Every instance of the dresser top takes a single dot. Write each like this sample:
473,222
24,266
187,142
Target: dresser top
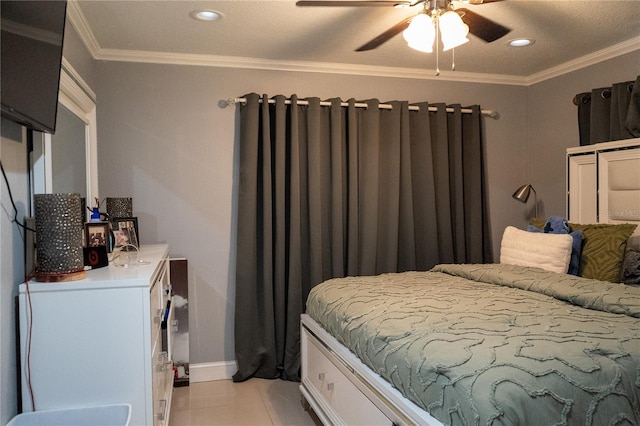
140,274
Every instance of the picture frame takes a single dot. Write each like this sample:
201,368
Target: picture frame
97,234
125,231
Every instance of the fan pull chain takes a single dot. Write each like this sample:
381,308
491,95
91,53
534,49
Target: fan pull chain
437,47
453,59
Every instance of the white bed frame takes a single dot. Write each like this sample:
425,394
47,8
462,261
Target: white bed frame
341,390
603,186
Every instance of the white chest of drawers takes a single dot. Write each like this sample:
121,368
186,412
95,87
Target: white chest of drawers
99,340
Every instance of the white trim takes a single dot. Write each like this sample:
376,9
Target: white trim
301,66
76,95
585,61
89,96
79,22
78,98
209,371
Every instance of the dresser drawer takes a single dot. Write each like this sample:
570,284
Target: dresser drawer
337,390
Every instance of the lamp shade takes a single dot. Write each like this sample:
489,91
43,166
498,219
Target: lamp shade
59,233
421,33
522,193
453,30
118,208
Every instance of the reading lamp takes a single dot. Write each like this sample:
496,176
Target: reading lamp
522,195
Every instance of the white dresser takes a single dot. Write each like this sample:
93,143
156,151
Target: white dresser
99,340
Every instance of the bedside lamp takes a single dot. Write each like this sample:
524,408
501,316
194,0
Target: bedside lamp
522,195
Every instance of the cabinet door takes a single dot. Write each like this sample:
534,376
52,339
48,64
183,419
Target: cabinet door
619,186
581,188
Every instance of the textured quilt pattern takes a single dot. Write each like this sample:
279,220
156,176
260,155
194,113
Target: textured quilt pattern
494,344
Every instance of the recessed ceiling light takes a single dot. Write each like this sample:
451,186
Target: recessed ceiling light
206,15
521,42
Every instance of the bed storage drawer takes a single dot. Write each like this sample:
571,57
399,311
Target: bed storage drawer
326,378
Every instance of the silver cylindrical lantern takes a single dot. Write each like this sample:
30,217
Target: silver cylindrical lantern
118,208
59,227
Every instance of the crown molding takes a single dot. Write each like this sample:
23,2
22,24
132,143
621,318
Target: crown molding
610,52
300,66
81,25
79,22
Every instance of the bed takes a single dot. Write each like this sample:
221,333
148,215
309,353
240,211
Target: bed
476,344
509,343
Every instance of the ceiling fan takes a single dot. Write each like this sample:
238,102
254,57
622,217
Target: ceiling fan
479,26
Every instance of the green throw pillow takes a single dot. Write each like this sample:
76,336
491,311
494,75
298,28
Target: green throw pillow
603,248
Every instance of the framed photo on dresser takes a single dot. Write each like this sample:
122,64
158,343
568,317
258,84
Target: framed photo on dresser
125,231
96,234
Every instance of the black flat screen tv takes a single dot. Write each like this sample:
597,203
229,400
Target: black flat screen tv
30,59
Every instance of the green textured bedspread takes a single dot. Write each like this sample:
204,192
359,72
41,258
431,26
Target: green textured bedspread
494,344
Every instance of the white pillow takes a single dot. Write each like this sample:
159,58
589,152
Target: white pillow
547,251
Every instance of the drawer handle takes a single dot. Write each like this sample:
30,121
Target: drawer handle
330,386
321,376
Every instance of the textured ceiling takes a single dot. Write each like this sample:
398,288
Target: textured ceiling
277,30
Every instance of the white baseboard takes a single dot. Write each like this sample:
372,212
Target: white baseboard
208,371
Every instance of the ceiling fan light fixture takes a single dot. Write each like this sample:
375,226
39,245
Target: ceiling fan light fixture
453,30
421,33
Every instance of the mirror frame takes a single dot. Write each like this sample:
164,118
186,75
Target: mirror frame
76,95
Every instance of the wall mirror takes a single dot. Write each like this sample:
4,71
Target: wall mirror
68,160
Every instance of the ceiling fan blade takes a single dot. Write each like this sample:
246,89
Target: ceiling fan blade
355,3
482,27
387,35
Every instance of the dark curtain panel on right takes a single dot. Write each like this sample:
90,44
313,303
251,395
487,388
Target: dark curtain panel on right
337,190
609,113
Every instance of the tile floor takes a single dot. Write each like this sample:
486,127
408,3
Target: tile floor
256,402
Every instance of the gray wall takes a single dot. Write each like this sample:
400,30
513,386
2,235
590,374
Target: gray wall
164,141
13,152
553,124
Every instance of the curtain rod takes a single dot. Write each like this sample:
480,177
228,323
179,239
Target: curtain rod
233,101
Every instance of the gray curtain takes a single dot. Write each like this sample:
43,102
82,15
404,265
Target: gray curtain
333,191
609,113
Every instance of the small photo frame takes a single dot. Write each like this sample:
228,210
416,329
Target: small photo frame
96,234
125,232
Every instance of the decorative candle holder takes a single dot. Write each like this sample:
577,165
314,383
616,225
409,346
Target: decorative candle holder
59,237
119,207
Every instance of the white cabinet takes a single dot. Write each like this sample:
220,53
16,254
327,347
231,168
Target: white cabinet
603,182
99,340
